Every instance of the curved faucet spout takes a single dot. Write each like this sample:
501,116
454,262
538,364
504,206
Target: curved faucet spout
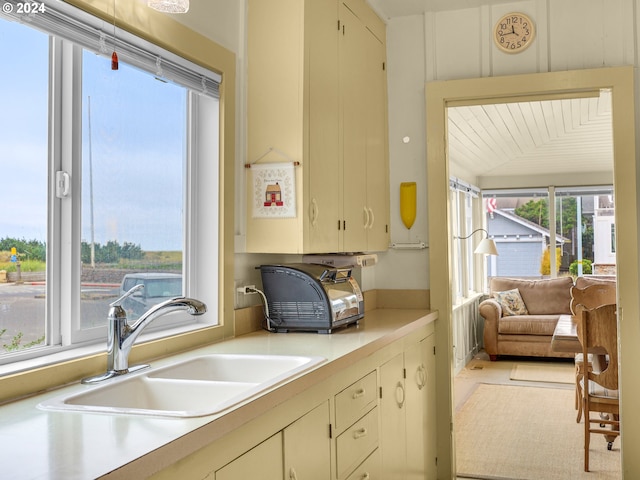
191,305
122,336
131,332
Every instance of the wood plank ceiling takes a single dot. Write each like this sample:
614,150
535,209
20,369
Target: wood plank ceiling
530,138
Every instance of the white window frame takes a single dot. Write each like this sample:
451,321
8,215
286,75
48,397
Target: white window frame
466,218
200,278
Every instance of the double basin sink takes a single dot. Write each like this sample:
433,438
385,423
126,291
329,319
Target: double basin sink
203,385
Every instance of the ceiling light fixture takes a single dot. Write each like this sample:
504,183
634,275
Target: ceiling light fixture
169,6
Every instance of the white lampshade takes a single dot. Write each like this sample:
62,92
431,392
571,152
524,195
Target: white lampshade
486,247
169,6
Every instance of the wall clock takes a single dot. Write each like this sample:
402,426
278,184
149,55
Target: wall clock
514,32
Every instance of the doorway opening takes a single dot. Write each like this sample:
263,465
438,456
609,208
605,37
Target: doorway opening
544,86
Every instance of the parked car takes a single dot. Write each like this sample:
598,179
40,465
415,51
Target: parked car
158,287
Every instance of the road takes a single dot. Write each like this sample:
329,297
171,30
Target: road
22,310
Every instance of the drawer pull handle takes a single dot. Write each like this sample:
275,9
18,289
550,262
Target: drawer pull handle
292,474
359,393
362,432
365,476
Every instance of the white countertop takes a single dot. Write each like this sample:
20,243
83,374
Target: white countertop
39,444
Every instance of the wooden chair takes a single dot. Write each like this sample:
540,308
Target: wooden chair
598,328
591,296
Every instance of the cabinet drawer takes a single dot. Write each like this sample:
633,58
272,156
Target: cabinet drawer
355,400
356,443
369,469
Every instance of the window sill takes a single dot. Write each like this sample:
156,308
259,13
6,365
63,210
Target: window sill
29,377
470,298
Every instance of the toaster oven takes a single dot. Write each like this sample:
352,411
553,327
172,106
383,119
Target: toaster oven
311,297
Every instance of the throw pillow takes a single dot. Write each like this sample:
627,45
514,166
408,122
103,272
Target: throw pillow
511,302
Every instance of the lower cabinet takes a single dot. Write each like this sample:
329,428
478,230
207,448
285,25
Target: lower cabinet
356,427
372,421
421,410
304,445
407,413
307,446
370,469
263,461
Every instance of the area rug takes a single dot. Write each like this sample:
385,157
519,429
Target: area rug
527,433
544,373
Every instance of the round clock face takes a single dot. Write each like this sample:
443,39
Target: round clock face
514,32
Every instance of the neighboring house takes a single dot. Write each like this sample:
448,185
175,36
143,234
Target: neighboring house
520,245
604,236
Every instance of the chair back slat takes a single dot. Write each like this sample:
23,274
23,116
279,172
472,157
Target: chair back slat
593,296
598,327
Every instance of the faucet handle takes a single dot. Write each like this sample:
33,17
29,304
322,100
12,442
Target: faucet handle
131,291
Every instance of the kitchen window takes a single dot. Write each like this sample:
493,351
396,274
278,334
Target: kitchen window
103,169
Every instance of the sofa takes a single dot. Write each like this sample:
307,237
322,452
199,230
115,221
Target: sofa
521,315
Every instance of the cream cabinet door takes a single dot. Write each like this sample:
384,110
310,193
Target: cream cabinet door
307,446
364,135
420,390
323,173
393,433
377,174
263,462
353,94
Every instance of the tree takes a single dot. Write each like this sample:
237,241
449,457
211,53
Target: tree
537,211
545,262
112,252
27,249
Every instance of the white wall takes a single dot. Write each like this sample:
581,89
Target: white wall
445,45
407,161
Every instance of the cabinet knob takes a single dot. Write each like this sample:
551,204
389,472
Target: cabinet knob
365,476
292,474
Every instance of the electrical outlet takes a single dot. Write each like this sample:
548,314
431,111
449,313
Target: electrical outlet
247,289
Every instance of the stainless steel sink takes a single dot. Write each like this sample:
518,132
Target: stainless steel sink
200,386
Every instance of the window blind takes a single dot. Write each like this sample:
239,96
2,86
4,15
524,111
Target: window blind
70,23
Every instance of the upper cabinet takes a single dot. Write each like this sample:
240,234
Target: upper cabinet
317,96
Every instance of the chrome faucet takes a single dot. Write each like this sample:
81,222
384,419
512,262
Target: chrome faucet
121,336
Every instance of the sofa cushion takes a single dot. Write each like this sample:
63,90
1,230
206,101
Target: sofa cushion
527,325
542,297
511,302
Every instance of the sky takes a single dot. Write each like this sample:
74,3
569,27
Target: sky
136,145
